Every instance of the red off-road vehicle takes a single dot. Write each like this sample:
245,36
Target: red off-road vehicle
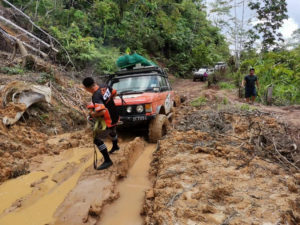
145,97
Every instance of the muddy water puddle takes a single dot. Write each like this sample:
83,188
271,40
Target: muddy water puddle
126,210
33,198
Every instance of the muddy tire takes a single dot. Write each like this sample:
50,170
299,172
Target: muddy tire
158,128
177,100
171,118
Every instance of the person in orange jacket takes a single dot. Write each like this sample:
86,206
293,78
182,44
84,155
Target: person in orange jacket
103,106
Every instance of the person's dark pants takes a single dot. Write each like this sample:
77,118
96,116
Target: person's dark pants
249,92
100,136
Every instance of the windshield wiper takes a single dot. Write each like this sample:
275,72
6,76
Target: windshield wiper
130,92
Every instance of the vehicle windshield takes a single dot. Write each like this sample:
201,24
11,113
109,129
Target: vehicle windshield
135,84
202,70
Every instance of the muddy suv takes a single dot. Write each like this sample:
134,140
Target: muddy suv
144,97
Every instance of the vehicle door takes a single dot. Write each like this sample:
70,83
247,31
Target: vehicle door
165,94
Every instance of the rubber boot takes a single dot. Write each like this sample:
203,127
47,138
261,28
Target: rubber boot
107,161
115,147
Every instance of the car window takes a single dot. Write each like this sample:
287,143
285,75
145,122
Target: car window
162,83
141,83
201,70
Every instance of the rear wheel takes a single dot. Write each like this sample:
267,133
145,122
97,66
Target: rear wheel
158,128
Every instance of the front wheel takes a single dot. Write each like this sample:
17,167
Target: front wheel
158,128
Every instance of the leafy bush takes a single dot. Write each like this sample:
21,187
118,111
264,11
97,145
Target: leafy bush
45,77
245,107
12,70
198,102
95,32
225,101
278,69
226,85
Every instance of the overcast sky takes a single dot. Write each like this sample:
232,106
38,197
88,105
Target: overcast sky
289,25
293,22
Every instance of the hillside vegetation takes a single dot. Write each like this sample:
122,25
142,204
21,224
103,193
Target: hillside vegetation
278,69
95,33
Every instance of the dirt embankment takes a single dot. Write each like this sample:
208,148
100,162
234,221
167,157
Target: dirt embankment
31,135
225,165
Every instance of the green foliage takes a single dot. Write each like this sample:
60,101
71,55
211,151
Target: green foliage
245,107
12,70
95,32
198,102
272,14
45,77
279,69
225,101
226,85
44,117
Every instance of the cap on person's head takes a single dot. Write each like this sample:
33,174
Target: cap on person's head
88,82
252,69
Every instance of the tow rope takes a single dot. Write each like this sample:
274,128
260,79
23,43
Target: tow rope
99,121
122,99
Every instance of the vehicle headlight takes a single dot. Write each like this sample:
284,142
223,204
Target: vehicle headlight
139,108
129,109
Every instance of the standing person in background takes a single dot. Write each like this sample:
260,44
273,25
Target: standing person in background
249,83
103,106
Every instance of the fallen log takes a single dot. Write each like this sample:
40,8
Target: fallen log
8,22
15,40
40,29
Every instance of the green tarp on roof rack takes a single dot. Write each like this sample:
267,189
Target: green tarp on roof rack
129,61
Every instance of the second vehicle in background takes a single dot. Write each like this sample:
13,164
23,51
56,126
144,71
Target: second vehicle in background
202,74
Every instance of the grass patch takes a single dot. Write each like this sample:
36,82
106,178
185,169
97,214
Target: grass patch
247,107
225,101
45,77
12,70
44,117
198,102
226,85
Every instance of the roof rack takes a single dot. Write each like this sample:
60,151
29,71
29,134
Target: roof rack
146,69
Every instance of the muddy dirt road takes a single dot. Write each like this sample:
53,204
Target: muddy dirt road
219,164
64,188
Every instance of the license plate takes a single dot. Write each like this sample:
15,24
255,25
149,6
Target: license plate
139,118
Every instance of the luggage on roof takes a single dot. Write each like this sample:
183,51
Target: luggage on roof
129,61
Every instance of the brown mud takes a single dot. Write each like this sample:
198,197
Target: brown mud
224,165
219,164
126,210
64,188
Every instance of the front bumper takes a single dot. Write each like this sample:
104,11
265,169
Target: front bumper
136,118
198,76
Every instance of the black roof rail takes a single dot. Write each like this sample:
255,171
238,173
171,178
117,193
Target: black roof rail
146,69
